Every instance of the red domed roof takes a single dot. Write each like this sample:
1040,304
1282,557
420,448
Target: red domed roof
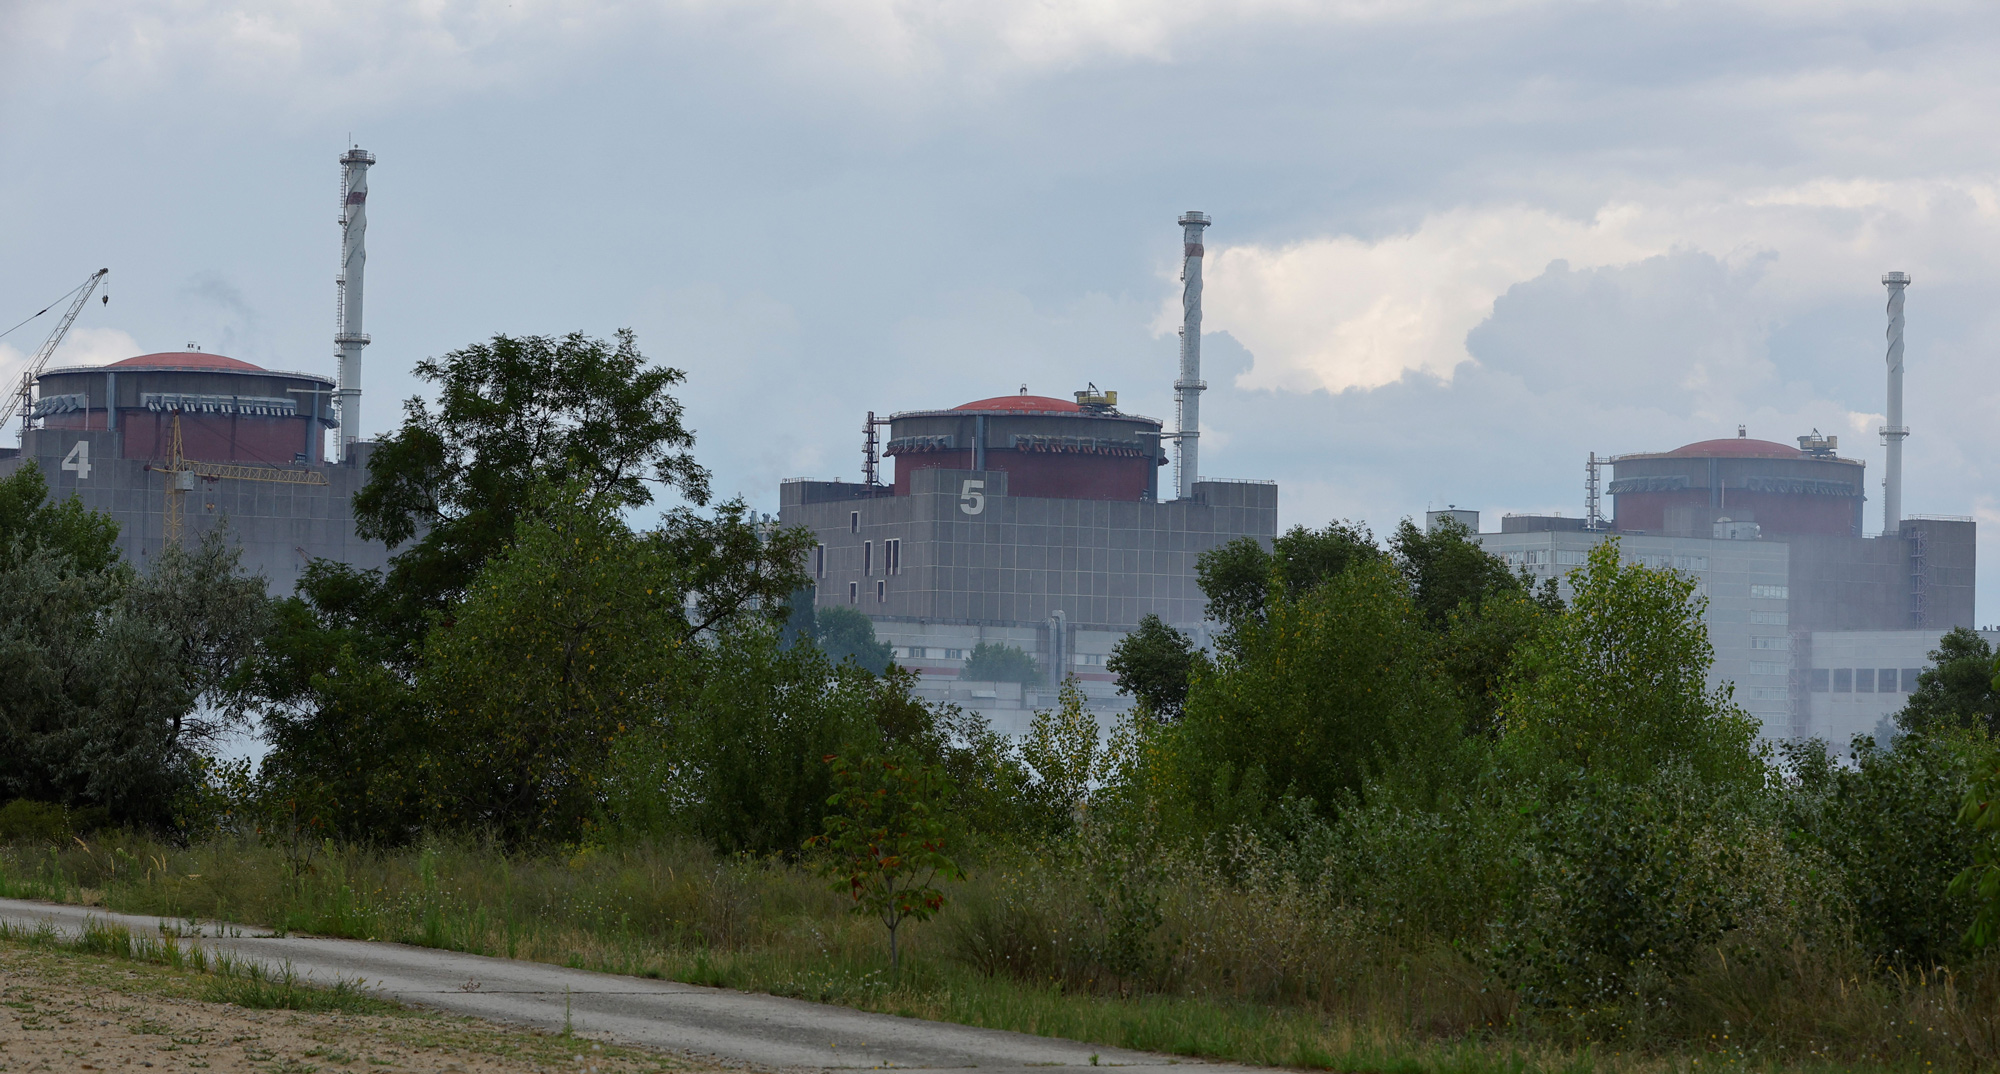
186,360
1022,402
1736,447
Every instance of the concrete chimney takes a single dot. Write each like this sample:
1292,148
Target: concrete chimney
348,334
1188,389
1895,432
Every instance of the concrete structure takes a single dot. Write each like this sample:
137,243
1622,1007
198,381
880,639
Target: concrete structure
103,432
1894,433
945,559
349,337
1189,386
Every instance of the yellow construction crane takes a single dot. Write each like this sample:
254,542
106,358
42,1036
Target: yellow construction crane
182,471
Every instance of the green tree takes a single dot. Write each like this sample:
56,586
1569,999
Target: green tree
1979,882
1236,576
888,830
1447,570
514,413
31,520
1153,664
845,634
1617,685
1325,691
993,661
1957,690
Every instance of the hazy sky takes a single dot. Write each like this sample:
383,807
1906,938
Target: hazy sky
1457,245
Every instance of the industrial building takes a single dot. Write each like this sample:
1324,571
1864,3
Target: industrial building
1029,521
1820,626
176,443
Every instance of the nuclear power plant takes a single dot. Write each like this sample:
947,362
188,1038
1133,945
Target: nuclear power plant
1819,625
1030,521
174,444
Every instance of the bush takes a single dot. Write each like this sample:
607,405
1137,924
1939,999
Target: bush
24,820
994,662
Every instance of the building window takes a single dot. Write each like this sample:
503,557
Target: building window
1820,677
1843,680
954,654
1768,693
819,561
1864,680
867,558
1885,681
1909,680
881,592
1771,592
854,592
1771,643
1566,557
1769,618
892,556
854,522
1768,669
1691,563
918,652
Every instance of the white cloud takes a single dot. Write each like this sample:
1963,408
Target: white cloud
1342,312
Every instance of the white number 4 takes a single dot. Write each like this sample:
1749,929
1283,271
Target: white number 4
971,497
78,460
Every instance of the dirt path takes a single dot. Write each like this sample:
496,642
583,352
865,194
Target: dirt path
67,1012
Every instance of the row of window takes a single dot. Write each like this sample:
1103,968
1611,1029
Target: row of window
892,558
881,592
932,652
1576,557
1864,680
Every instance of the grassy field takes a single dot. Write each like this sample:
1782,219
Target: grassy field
678,912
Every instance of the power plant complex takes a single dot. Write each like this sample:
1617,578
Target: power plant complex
1054,525
173,444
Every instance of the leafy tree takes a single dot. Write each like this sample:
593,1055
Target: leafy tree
1957,690
1236,576
31,520
845,634
1979,882
1617,685
1324,691
514,413
993,661
1447,570
1153,664
1062,751
888,828
114,683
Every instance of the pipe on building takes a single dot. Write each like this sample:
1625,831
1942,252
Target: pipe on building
1188,389
350,338
1894,433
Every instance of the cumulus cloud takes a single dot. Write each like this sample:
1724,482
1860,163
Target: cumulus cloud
1342,312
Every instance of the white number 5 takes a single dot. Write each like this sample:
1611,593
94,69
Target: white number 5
971,498
78,460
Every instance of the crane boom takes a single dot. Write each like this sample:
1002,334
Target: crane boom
20,401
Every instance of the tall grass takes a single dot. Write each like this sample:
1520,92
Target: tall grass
1154,954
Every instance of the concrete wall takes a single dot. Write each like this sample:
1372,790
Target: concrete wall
279,526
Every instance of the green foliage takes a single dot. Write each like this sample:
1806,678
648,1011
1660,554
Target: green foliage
1061,750
514,414
1978,883
1154,664
1236,576
888,828
115,683
845,634
993,661
1885,824
1616,687
32,521
24,820
1448,571
1324,691
1958,690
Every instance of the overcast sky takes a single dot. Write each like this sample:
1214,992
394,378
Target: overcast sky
1457,245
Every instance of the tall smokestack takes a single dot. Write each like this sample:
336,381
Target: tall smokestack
1894,432
353,262
1188,389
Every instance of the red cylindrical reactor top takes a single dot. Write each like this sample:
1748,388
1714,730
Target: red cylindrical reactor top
1047,447
1784,490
